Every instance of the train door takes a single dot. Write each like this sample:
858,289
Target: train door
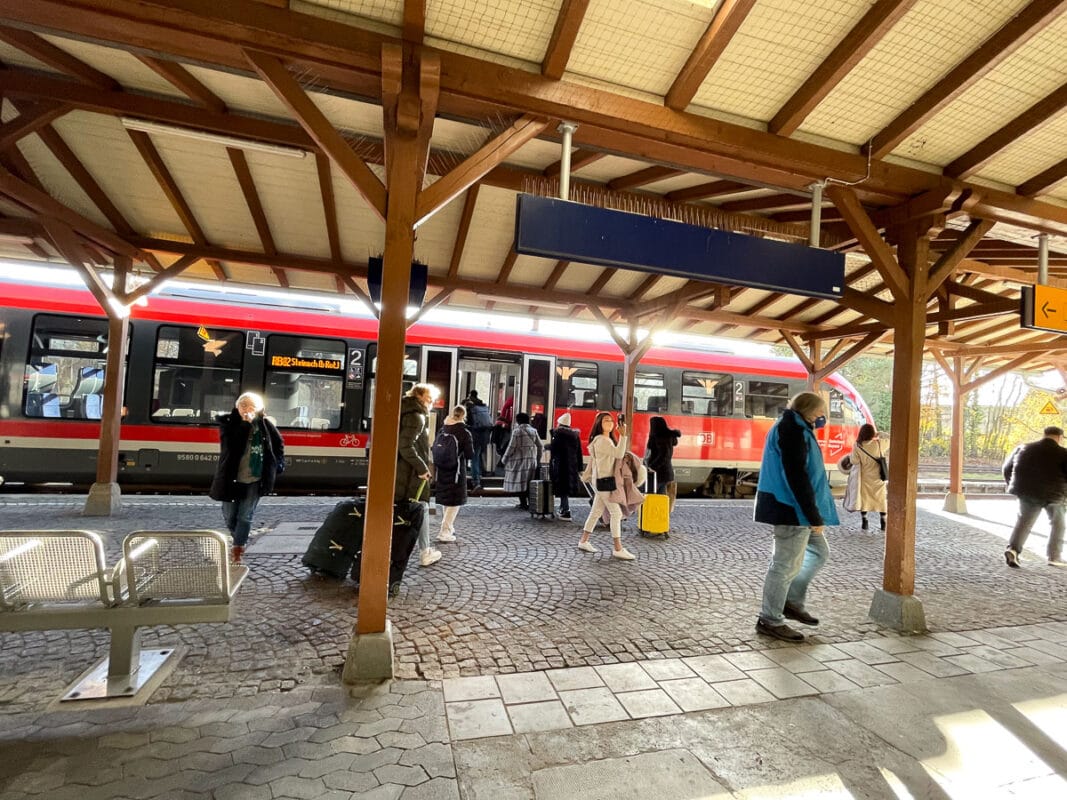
496,378
439,368
538,389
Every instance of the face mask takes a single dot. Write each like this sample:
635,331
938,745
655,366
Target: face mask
820,422
248,415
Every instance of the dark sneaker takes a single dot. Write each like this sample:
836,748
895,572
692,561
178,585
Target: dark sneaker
1012,558
564,514
783,632
394,588
800,615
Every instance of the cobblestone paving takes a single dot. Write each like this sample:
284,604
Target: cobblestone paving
381,743
515,595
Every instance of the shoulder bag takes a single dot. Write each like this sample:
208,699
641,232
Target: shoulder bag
883,465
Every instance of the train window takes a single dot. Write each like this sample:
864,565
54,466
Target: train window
305,381
844,410
576,384
197,373
707,394
650,393
411,377
766,398
65,370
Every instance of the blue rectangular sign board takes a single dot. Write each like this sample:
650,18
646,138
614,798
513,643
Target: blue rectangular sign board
568,231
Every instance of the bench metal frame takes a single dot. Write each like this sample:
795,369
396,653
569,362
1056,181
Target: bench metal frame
59,580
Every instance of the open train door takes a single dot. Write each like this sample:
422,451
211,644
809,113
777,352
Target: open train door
538,389
440,368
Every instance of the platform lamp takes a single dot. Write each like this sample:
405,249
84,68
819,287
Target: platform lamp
416,289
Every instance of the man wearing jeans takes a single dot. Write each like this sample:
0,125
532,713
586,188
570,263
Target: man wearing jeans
793,495
1036,473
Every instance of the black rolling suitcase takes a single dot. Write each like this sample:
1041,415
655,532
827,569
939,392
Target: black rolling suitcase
407,520
338,540
542,502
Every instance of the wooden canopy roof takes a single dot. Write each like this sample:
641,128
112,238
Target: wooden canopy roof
721,112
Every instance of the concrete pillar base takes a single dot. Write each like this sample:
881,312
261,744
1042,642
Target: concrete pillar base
955,503
370,657
900,612
104,500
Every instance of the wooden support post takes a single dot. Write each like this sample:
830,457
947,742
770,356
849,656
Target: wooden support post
105,497
409,88
955,501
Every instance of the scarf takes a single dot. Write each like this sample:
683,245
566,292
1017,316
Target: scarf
255,451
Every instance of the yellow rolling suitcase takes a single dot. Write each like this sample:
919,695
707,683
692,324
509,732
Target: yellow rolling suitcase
654,515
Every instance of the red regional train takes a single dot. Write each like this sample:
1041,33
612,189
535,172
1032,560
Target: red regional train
191,352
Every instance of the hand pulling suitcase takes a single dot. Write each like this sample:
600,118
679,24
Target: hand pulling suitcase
335,544
654,515
407,520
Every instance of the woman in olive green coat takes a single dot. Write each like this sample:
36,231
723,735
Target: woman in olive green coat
413,460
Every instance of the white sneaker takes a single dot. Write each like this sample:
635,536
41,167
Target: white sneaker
587,547
623,555
429,556
446,537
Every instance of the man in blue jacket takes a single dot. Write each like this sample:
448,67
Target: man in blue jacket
793,495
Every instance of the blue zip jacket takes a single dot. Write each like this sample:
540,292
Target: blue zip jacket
793,488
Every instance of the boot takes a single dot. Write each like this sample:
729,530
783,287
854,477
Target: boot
881,522
236,552
864,525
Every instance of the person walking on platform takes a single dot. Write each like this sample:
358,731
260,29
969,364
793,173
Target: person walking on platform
659,454
866,489
793,495
451,450
565,463
605,448
1036,473
522,458
480,422
251,456
413,460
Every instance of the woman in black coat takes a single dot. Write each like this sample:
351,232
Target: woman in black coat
565,464
251,456
453,446
659,453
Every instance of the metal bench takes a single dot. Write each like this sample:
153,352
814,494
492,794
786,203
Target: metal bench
59,580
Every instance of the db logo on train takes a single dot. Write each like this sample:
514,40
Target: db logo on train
835,444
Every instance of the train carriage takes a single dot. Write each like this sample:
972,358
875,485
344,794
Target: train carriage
189,357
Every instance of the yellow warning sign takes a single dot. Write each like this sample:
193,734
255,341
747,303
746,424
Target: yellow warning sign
1049,408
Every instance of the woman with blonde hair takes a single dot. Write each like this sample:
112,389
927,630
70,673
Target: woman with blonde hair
605,448
413,460
251,457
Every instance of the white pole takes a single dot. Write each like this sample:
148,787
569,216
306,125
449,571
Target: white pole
1042,258
567,129
816,214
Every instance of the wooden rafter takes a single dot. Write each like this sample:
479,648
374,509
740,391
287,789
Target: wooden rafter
777,202
1016,32
168,272
579,159
557,273
1035,116
29,120
329,206
184,81
362,296
44,51
319,128
255,208
477,165
469,202
1044,181
568,22
413,26
874,245
15,162
859,41
642,177
728,18
708,190
506,267
952,257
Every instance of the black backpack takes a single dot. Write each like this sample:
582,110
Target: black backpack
446,455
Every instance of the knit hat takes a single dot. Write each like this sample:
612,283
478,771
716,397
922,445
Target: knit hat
564,419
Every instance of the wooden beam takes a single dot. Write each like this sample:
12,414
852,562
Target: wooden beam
951,258
44,51
779,202
319,128
29,120
1004,369
477,165
858,42
363,297
1044,181
595,310
469,202
799,352
642,177
413,28
43,205
329,206
935,201
579,159
704,191
646,286
67,244
874,245
564,34
154,161
557,273
430,305
1036,115
184,81
728,18
255,206
1016,32
168,272
506,267
868,304
833,364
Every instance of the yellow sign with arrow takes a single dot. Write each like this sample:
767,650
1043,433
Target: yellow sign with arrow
1044,308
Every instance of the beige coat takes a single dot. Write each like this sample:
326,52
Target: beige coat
866,489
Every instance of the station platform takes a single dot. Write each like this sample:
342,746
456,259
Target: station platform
527,669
